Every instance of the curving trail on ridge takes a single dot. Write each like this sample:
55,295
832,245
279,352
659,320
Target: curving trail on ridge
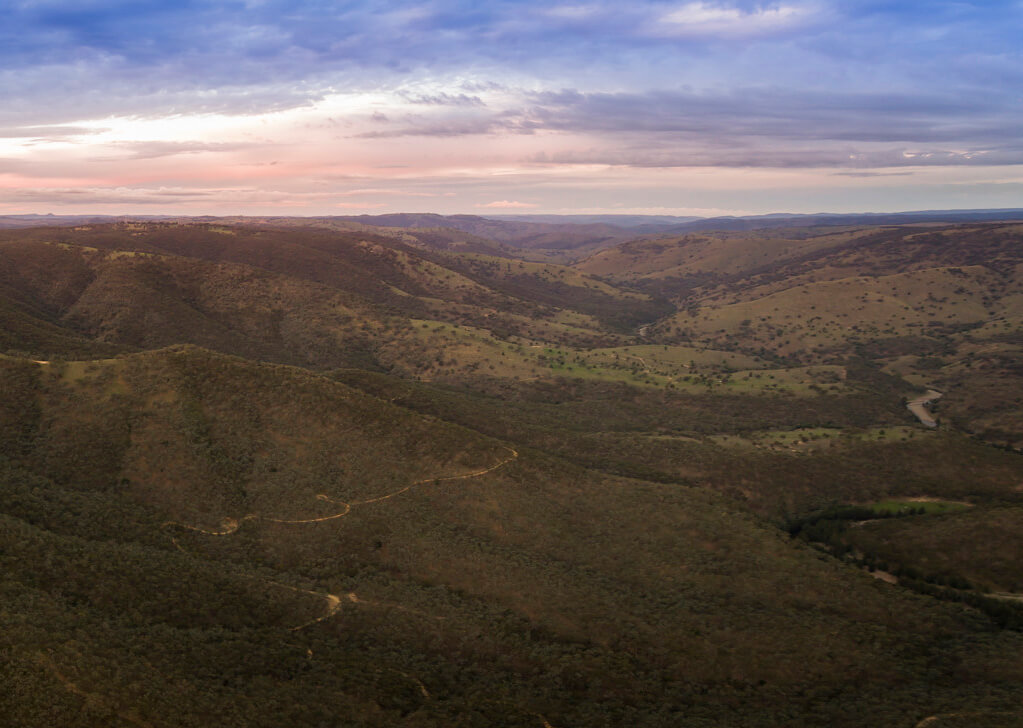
322,497
425,481
419,683
354,599
919,408
333,604
229,526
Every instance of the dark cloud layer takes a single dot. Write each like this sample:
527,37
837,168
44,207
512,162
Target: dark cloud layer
282,52
748,128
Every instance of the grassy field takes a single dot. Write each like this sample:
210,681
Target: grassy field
922,506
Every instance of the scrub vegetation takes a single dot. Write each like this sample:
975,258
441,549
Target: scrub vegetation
286,474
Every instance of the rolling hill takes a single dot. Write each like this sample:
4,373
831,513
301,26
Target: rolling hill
178,514
937,306
273,473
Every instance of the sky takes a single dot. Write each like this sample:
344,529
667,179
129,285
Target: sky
310,107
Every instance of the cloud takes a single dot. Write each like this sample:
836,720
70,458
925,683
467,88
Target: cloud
104,93
741,127
140,150
55,132
785,113
710,19
441,99
782,156
439,127
872,174
62,60
507,205
382,192
573,12
124,197
86,196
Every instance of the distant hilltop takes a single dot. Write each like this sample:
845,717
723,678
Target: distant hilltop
514,229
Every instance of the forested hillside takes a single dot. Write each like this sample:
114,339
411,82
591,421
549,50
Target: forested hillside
286,474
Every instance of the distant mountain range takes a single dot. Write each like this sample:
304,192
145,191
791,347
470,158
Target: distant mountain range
785,220
569,231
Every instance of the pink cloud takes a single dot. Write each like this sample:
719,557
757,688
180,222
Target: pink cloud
507,204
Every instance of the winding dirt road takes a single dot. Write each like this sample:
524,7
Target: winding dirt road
333,603
918,408
322,497
425,481
229,526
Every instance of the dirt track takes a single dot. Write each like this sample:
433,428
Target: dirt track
229,526
918,408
